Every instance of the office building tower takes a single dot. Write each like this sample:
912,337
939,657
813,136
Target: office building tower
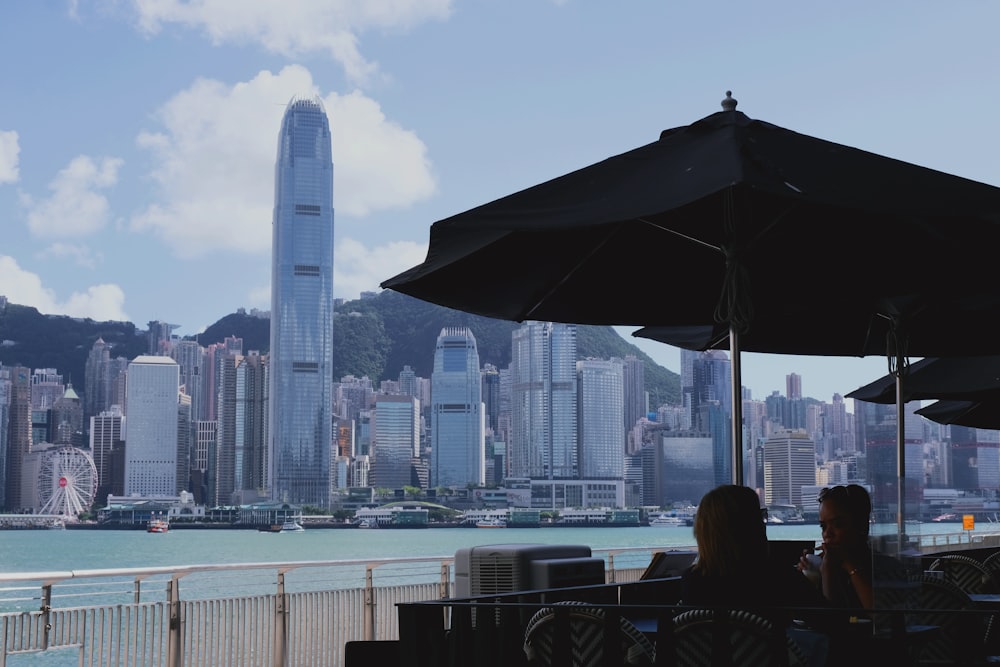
151,399
395,440
190,357
95,383
457,419
408,381
543,438
677,468
185,438
19,440
240,463
634,402
789,465
975,459
46,388
106,436
712,381
160,338
491,395
202,480
66,419
793,386
301,352
600,402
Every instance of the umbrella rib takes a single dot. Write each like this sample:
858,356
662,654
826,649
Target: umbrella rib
677,233
569,274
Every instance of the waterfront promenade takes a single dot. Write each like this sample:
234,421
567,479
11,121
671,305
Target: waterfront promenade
241,597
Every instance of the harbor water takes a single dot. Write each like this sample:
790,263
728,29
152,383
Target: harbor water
59,550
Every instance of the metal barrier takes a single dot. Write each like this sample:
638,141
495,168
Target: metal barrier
266,614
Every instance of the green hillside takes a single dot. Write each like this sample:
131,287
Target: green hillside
374,337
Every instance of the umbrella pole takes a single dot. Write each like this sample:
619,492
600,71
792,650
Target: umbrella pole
736,389
900,449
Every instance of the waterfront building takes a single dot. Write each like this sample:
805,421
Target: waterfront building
301,349
202,478
789,465
677,468
151,443
19,441
543,438
975,458
395,440
458,427
106,435
600,401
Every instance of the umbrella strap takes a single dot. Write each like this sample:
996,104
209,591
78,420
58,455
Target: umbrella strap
895,345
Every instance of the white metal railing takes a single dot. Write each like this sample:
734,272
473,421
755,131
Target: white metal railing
267,614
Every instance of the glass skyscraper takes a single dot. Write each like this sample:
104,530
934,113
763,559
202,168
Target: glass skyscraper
457,414
301,354
151,399
543,442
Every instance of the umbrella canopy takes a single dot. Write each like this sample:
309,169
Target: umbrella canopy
728,223
959,378
983,413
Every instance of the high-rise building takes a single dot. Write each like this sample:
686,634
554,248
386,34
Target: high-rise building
600,402
457,415
789,465
395,440
543,438
633,391
106,436
151,400
18,438
793,386
301,352
190,356
96,383
491,396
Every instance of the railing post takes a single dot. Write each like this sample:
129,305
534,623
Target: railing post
174,625
611,568
46,615
369,611
445,578
280,656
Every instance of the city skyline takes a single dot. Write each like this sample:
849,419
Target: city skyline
149,153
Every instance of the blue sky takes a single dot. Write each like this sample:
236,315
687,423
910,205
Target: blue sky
137,138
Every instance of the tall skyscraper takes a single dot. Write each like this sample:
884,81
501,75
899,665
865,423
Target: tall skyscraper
633,391
18,438
543,438
789,465
301,354
457,414
106,436
600,399
151,400
395,440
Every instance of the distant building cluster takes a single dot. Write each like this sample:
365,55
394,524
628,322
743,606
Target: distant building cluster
228,426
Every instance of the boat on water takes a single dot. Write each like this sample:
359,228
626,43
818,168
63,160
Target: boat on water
668,520
157,525
368,523
286,527
491,523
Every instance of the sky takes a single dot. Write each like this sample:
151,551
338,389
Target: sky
138,137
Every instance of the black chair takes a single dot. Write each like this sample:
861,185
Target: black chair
716,637
967,573
579,630
956,638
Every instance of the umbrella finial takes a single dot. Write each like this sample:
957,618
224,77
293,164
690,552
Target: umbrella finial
729,104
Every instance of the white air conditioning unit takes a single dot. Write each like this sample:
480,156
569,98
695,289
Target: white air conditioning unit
507,568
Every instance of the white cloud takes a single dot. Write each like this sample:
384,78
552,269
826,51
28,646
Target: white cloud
75,208
294,28
100,302
359,269
215,162
9,155
80,255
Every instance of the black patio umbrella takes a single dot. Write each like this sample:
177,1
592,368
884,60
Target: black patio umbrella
728,222
958,378
983,413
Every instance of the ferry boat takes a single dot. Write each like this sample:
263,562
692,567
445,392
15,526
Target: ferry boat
667,520
286,527
491,523
157,525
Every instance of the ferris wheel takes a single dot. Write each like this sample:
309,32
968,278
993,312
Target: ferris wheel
67,482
